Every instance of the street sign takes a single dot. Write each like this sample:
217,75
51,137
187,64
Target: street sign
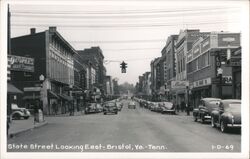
235,62
218,61
215,80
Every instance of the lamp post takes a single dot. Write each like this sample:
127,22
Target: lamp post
219,74
187,104
41,79
72,101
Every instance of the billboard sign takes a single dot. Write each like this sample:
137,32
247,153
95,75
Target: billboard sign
230,39
20,63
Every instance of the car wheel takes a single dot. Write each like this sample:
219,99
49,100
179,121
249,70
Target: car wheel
16,116
212,122
104,113
27,117
223,127
202,120
195,119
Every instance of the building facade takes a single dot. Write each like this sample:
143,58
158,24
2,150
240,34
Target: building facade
53,57
208,54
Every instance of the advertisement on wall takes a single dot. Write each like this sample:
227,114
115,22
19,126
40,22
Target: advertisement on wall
205,44
225,40
179,84
20,63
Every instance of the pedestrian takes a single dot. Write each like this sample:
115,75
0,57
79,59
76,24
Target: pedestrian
54,108
187,108
183,105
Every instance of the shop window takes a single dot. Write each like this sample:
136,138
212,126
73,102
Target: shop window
28,74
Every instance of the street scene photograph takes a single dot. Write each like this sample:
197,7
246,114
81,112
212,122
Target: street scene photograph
126,77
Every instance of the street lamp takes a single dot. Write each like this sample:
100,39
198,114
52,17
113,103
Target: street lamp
219,73
41,79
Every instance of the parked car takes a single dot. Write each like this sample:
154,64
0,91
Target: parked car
110,107
119,105
151,105
167,108
90,108
131,105
228,115
99,108
206,106
18,113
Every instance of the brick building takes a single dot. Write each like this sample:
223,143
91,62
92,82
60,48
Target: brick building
53,57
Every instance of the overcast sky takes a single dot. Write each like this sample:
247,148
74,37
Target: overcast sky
133,31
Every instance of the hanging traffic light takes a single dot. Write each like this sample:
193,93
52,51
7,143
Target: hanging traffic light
123,66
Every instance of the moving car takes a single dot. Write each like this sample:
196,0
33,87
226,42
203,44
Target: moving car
206,106
167,108
110,107
90,108
119,105
228,115
18,113
99,108
131,105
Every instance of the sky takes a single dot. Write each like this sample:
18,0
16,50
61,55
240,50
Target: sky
130,31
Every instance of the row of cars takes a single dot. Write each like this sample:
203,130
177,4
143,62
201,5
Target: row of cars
112,106
161,107
224,114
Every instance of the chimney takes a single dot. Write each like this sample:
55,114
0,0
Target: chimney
32,31
52,29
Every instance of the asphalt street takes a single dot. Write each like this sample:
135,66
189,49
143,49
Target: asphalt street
132,130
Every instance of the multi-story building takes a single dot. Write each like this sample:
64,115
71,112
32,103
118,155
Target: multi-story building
184,43
95,56
207,55
53,58
80,81
170,67
155,77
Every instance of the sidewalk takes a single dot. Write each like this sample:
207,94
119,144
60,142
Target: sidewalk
67,114
20,126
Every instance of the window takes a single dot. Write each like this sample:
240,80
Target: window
27,74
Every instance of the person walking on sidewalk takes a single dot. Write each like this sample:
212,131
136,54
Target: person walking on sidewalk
187,109
183,105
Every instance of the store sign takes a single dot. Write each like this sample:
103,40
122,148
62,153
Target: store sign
205,44
31,89
203,82
196,51
235,62
20,63
227,79
189,56
225,40
179,84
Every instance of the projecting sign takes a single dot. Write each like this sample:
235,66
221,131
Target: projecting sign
179,84
20,63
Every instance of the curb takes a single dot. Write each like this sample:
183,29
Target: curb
29,129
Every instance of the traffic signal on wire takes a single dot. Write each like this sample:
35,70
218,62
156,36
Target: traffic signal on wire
123,66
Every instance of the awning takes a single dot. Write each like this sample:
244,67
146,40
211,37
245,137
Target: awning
11,89
53,95
65,97
31,97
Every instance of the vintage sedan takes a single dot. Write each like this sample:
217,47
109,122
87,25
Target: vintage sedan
167,108
18,113
228,115
119,105
131,105
91,108
206,106
110,107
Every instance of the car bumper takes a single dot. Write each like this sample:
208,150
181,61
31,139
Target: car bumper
234,125
207,117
